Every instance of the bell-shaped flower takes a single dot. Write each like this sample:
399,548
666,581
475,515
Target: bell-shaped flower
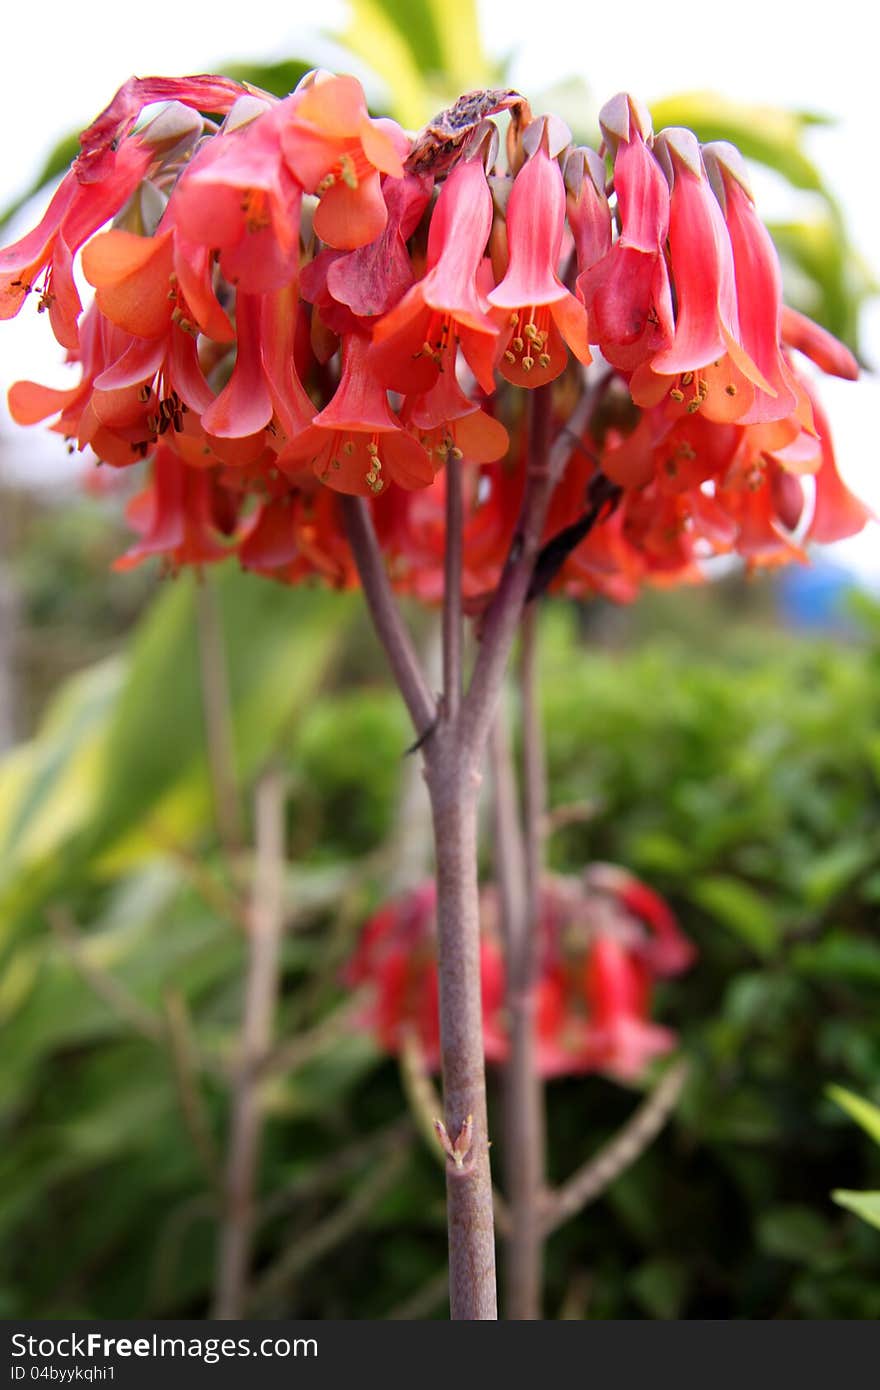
665,950
622,1038
705,367
544,317
335,149
418,339
76,211
238,197
356,444
627,292
182,515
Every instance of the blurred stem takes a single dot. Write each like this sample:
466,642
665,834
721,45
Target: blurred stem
523,1092
217,708
261,989
620,1153
185,1064
453,740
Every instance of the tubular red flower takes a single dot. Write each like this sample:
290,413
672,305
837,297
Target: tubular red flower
356,444
544,316
418,339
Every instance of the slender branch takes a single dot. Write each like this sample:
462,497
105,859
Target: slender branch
261,987
544,469
295,1052
534,769
507,840
523,1094
422,1302
328,1234
452,610
217,707
107,988
185,1064
590,1181
386,615
335,1167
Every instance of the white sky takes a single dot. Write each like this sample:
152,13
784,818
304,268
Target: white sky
63,69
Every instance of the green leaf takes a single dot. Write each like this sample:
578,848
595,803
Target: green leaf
839,956
796,1233
661,1287
739,908
278,78
862,1111
864,1204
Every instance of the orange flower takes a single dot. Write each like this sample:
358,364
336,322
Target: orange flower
336,150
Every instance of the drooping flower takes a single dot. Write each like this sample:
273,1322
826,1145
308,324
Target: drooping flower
335,149
627,292
356,444
418,339
182,515
705,367
622,1037
237,197
544,317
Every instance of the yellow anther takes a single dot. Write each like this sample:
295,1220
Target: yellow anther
528,363
676,394
372,448
347,171
687,378
544,360
694,405
456,453
530,332
517,344
509,357
514,319
730,389
348,448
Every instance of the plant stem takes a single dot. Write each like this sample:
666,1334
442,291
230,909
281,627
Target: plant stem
523,1166
217,707
453,741
621,1151
525,1090
453,786
261,988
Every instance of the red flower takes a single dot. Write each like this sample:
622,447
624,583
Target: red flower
627,292
622,1039
544,316
355,444
335,149
417,340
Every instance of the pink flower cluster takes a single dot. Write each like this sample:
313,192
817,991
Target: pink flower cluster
294,299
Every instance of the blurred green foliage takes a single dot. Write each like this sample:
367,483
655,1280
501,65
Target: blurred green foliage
743,785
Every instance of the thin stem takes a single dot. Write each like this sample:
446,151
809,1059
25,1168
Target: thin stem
217,707
523,1097
452,611
534,766
543,471
386,616
453,787
628,1145
261,988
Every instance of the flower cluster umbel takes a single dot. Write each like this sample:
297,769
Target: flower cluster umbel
293,299
604,937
